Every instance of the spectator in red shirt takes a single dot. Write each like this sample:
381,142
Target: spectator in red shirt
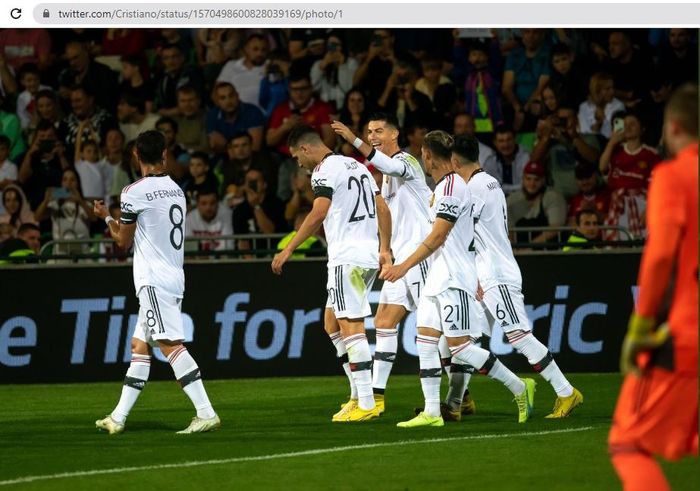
22,46
302,107
592,194
626,161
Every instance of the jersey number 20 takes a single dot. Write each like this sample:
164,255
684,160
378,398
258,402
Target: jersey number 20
362,184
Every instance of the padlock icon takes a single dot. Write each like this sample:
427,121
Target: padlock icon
46,14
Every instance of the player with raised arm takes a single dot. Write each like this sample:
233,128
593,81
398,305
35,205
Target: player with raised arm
657,411
499,274
345,203
407,196
448,305
153,219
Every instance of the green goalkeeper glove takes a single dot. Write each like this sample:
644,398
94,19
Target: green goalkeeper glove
641,336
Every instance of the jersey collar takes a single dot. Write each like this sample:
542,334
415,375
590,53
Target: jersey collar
477,171
329,154
443,177
156,175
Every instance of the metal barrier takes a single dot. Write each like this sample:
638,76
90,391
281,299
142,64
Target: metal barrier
265,246
261,245
559,240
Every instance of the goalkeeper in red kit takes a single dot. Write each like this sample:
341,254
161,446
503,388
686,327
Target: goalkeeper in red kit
657,412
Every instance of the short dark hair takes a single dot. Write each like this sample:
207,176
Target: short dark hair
240,134
5,141
201,156
561,49
27,226
88,91
585,170
28,68
187,89
682,106
302,134
172,46
389,118
439,143
586,211
479,45
299,75
503,128
466,147
167,120
46,93
256,35
133,99
150,146
206,191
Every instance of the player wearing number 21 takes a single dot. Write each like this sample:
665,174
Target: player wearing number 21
153,211
348,204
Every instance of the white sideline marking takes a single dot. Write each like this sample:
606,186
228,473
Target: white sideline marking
302,453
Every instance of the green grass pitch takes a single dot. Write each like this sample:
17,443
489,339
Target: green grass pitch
267,423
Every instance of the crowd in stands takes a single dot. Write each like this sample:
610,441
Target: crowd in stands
569,120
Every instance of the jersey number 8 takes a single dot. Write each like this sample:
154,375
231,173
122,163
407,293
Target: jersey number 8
177,218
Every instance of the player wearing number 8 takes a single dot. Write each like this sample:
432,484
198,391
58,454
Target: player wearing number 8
348,204
153,220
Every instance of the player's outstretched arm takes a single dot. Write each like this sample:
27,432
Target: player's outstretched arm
384,223
122,233
350,137
434,240
311,224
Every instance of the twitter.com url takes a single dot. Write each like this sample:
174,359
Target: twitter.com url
194,14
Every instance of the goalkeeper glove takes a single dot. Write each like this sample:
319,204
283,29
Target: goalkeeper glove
640,336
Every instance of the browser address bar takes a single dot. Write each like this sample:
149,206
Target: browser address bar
378,14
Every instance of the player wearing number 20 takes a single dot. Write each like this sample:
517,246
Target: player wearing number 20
347,203
153,212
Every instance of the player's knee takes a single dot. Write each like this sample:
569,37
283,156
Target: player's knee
384,323
139,347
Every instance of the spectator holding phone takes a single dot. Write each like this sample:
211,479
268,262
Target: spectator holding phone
260,213
43,164
274,87
332,75
595,114
627,163
70,214
378,65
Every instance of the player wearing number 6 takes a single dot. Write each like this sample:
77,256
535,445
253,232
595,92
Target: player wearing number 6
153,212
348,205
499,274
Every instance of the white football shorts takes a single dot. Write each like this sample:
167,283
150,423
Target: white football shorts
348,291
406,291
506,305
454,312
159,317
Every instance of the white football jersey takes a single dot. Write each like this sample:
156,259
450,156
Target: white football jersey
495,263
408,197
351,223
158,206
453,263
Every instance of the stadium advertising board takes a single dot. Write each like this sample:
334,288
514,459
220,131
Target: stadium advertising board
73,324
